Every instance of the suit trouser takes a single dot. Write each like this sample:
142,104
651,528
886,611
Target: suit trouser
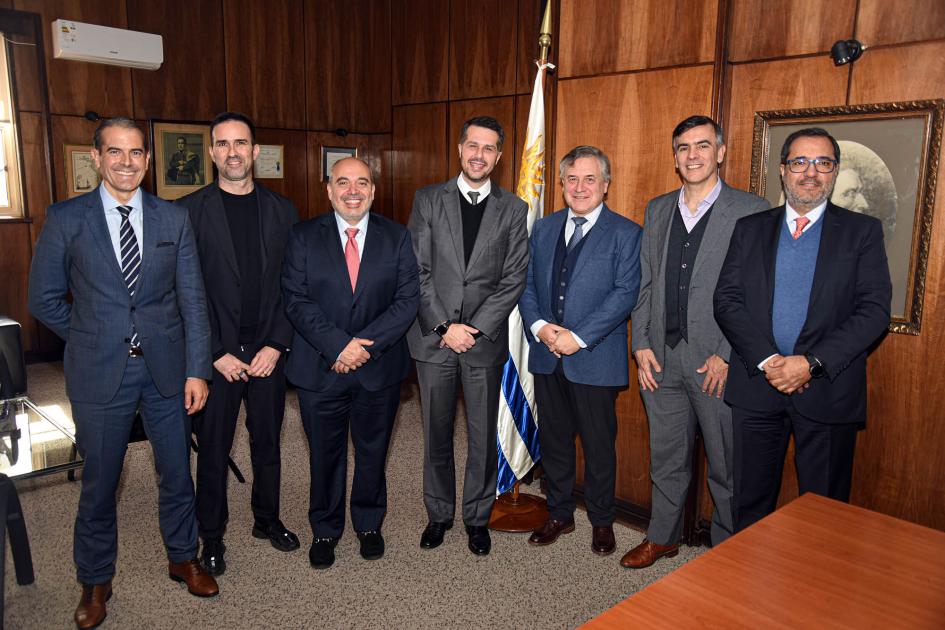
102,431
674,411
327,417
439,385
823,456
215,427
565,409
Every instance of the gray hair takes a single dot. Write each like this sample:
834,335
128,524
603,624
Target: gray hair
585,151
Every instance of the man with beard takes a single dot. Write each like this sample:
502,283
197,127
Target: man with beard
351,291
802,296
470,239
242,229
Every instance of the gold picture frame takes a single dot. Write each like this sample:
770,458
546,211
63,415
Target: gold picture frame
81,175
180,153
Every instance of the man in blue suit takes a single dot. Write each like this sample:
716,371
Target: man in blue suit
582,283
137,337
351,288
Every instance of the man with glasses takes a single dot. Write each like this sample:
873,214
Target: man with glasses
802,296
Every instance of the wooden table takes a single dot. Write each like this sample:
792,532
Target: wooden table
815,563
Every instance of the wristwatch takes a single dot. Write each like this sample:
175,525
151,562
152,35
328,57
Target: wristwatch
442,328
816,367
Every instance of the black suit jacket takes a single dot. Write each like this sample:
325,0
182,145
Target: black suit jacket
848,311
221,274
327,315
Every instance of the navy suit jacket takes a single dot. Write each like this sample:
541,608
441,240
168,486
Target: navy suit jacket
848,311
603,290
327,315
74,254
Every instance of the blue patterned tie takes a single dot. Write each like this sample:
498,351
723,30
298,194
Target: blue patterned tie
130,260
578,232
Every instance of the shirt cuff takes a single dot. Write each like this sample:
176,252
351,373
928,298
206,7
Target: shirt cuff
761,365
536,328
579,341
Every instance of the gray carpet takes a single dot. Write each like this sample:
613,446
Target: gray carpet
517,586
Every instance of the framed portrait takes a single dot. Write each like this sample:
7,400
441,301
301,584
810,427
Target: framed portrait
81,174
270,163
889,157
180,157
330,155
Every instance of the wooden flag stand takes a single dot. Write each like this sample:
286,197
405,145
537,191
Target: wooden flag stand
517,512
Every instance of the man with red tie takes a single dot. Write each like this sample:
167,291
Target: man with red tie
351,289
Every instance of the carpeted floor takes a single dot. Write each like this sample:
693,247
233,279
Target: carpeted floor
516,586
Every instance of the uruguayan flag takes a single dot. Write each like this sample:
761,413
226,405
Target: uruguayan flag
518,416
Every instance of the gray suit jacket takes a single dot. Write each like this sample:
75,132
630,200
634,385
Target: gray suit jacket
648,321
75,255
481,294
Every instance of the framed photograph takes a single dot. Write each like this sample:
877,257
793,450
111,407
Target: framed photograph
889,158
180,157
270,163
81,174
330,155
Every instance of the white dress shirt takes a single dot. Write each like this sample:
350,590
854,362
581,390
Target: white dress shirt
359,237
465,188
113,219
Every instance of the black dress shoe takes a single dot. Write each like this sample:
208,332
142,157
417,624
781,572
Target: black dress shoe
212,556
479,541
372,545
322,553
433,534
281,538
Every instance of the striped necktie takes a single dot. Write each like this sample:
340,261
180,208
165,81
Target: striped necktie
130,260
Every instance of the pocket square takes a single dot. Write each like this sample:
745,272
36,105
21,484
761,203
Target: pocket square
166,243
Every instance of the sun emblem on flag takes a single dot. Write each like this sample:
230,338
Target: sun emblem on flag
531,174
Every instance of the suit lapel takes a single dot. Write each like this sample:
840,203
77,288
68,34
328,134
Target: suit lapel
96,219
266,226
718,221
593,240
829,244
331,241
454,217
771,236
490,217
664,221
547,249
221,227
370,257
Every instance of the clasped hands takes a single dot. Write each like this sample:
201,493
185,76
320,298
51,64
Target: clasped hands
261,366
788,375
559,340
353,356
459,338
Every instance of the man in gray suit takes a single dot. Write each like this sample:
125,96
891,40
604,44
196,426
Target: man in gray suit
137,338
471,244
682,356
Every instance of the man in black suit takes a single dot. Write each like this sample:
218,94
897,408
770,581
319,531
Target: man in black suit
351,291
241,229
802,296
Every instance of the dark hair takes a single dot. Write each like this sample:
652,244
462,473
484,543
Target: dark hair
697,121
585,151
238,117
809,132
182,138
487,122
122,123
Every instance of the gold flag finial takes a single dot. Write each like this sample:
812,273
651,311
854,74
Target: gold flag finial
544,37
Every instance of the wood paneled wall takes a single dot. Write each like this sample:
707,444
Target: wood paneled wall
629,71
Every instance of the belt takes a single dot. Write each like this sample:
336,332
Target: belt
135,351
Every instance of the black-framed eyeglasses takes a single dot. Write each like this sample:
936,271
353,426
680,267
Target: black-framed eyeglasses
822,165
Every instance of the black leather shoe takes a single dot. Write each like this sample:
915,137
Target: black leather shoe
479,541
212,556
372,545
322,553
281,538
433,534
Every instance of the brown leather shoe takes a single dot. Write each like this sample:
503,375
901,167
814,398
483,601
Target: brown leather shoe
91,610
549,532
646,553
198,581
602,541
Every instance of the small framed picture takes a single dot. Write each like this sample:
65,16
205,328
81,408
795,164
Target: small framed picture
81,174
330,155
270,163
180,155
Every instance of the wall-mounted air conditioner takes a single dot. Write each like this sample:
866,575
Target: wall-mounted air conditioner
104,44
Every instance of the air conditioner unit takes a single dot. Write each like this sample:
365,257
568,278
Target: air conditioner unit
104,44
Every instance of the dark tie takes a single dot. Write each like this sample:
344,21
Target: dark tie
578,232
130,260
474,197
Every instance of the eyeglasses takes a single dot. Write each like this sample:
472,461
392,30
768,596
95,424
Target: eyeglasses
822,165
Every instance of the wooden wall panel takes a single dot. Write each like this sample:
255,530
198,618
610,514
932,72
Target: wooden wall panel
599,36
191,84
373,149
349,88
15,257
882,22
420,147
781,28
35,169
67,130
783,84
265,61
76,87
529,24
878,76
483,38
294,184
29,88
420,31
503,110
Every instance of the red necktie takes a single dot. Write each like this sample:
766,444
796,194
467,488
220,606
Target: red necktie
801,223
351,256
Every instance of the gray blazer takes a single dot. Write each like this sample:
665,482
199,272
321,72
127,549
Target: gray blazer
648,320
481,294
